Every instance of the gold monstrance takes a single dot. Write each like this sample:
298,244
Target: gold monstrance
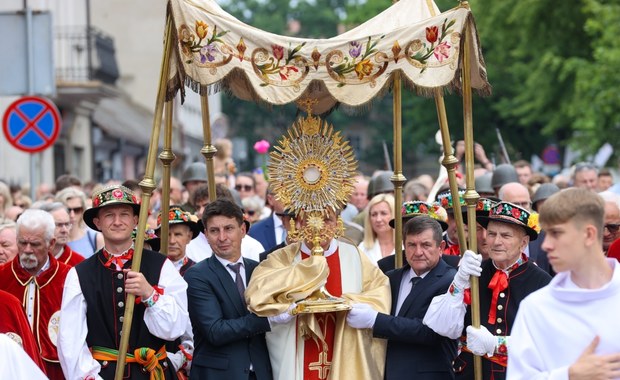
311,171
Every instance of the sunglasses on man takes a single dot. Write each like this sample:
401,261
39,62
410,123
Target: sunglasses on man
612,227
244,187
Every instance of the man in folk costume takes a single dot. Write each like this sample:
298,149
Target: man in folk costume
306,286
36,278
182,228
95,296
62,251
507,278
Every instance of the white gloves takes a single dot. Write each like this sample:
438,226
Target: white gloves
468,266
481,341
361,316
283,318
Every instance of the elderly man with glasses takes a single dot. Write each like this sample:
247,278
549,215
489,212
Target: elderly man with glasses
62,233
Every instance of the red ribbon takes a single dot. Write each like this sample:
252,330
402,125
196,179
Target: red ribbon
118,260
499,282
452,250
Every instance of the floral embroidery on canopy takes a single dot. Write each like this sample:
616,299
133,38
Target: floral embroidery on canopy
419,52
216,50
275,69
201,52
363,61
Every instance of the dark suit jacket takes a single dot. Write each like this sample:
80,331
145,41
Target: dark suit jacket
388,263
414,351
265,232
227,337
538,255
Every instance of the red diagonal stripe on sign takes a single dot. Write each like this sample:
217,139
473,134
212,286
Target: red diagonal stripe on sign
31,124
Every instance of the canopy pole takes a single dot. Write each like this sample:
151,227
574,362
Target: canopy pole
166,156
147,185
450,162
398,179
208,150
471,196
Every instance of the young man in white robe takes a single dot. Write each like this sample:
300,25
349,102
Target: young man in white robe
568,329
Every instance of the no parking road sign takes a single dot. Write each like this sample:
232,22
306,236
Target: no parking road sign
31,124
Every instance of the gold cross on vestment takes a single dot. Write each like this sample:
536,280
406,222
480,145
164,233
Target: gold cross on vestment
322,365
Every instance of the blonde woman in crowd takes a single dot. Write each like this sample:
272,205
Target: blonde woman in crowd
83,240
378,235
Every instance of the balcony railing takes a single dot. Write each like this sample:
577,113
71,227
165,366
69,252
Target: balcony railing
84,54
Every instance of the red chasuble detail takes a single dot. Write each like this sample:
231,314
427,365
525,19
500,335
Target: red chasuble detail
14,323
318,355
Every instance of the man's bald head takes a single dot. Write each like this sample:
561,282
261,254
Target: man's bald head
517,194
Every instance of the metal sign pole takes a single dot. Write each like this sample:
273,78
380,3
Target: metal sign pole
30,60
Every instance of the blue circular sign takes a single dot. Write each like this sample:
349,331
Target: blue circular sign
31,124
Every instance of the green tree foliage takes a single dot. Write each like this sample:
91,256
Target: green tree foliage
553,68
595,105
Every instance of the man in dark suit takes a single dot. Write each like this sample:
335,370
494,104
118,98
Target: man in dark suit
229,340
414,350
271,231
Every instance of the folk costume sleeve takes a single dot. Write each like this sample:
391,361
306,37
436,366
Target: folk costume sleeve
446,313
168,317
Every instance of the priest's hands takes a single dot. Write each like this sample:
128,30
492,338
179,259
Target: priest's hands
283,318
468,266
361,316
480,341
136,284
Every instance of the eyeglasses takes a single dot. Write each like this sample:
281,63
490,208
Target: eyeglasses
244,187
251,212
612,227
76,210
64,225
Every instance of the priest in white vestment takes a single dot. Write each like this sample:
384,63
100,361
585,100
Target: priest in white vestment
319,345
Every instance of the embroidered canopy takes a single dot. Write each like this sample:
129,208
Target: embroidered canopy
214,50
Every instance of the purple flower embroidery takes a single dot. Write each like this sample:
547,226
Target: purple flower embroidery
207,53
356,49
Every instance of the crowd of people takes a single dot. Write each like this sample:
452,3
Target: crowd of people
220,301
